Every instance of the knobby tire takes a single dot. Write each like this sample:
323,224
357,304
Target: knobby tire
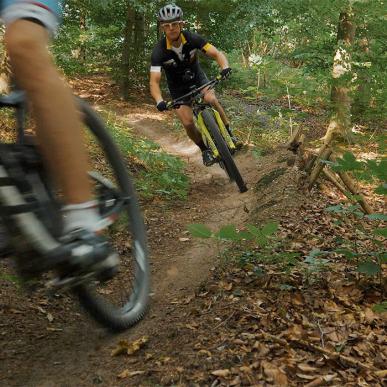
110,315
226,157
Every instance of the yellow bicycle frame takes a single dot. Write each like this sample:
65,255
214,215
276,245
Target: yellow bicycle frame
207,137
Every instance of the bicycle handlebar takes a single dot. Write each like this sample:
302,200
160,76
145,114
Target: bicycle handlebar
189,97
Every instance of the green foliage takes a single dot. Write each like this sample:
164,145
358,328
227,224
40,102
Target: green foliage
199,231
314,264
256,259
368,268
347,163
293,44
371,261
159,174
12,278
369,170
228,233
260,236
380,308
381,231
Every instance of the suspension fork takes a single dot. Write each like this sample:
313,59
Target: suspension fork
207,139
223,130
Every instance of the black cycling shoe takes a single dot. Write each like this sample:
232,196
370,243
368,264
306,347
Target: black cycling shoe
89,254
82,256
208,158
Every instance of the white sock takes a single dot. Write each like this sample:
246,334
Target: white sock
83,215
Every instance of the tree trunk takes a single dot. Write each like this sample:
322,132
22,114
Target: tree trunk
339,124
127,52
82,26
139,39
363,95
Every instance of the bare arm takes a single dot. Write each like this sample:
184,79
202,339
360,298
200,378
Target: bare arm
154,84
220,58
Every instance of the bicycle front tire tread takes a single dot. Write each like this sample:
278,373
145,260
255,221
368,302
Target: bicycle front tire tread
110,316
226,157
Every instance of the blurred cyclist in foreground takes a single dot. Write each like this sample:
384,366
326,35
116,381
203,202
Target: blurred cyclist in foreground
29,26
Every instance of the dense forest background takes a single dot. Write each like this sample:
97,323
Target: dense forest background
276,48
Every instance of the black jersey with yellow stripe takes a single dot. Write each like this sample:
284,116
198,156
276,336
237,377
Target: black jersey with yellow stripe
176,67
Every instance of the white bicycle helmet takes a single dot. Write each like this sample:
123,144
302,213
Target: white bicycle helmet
170,12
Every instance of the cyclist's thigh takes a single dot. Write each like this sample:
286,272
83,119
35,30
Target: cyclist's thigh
46,12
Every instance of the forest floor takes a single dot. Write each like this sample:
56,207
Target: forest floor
215,319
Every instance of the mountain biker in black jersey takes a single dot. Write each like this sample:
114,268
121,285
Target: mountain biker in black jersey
176,54
29,25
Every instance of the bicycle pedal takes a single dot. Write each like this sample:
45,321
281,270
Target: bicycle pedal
67,283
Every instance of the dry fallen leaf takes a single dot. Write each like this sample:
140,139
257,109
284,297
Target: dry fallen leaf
129,348
307,377
221,373
245,369
126,373
331,306
298,299
316,382
190,326
205,352
228,286
261,348
273,372
306,367
381,373
329,378
371,316
294,332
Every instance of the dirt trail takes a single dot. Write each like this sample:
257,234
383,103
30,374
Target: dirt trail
51,343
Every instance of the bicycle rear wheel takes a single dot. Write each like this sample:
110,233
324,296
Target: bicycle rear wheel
226,157
122,301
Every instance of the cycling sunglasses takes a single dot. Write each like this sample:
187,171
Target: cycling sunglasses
172,25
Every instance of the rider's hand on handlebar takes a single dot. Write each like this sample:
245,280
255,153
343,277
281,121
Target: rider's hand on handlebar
161,106
225,73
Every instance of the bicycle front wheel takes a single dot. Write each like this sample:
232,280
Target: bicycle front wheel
226,157
122,301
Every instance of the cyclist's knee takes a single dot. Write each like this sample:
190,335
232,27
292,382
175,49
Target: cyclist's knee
210,98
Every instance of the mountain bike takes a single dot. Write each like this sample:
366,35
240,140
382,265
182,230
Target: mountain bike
212,129
30,212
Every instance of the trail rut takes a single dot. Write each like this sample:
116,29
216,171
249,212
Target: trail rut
71,350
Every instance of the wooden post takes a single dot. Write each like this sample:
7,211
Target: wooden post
318,167
333,179
352,186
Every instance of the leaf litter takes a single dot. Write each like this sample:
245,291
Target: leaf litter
287,325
